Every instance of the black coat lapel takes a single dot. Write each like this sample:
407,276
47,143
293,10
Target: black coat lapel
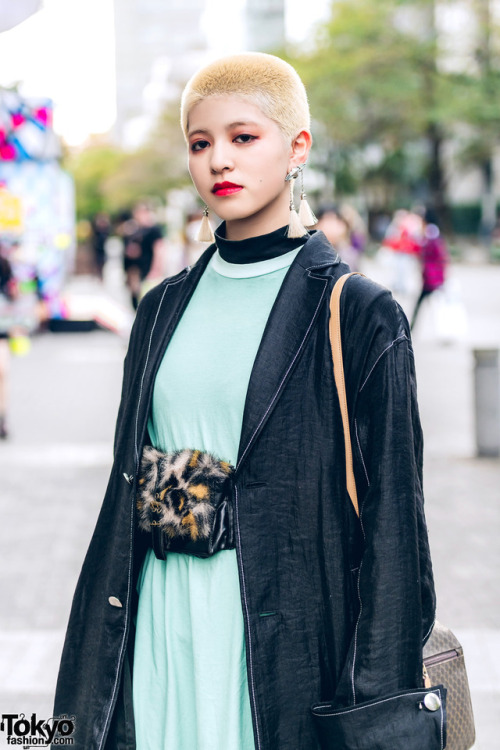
172,303
290,322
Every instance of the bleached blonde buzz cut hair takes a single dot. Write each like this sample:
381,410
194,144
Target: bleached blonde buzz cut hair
265,80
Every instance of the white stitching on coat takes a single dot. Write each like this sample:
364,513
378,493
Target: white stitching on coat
129,578
145,368
360,451
359,615
247,618
400,338
283,379
386,700
126,629
429,631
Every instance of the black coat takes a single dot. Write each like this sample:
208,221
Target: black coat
348,605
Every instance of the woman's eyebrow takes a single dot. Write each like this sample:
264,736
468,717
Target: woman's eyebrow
198,130
252,123
237,124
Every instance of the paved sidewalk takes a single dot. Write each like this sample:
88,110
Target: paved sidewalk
54,472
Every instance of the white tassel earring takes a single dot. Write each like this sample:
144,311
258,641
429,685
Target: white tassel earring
295,227
205,232
306,215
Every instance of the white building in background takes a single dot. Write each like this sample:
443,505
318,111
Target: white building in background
160,44
264,25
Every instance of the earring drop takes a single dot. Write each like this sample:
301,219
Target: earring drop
205,232
295,227
306,215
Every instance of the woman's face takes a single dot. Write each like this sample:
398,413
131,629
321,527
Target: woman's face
238,160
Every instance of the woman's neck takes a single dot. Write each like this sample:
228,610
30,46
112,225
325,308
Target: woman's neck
257,248
273,216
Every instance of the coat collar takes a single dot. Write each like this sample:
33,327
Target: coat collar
289,325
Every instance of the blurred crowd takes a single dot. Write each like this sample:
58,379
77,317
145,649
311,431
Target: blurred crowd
148,253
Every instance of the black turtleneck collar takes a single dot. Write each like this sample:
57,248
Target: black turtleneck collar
254,249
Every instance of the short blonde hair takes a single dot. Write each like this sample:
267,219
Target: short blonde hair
268,81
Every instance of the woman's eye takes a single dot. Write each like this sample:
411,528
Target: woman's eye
245,138
199,145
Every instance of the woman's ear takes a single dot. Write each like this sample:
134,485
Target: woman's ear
301,146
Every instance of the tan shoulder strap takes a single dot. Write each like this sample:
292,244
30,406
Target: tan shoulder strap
338,372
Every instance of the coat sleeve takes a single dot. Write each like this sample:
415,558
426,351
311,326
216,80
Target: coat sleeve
394,587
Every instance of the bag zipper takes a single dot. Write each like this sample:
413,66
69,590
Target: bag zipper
453,653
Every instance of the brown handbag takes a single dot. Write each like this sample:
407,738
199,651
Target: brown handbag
443,657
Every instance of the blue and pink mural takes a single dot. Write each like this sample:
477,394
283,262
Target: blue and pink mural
26,128
37,212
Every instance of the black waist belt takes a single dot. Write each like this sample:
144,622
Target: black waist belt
184,500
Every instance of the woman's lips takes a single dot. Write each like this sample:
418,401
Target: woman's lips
226,188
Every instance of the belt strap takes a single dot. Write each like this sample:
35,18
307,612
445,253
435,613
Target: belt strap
157,542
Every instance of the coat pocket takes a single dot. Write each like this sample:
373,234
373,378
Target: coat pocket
406,720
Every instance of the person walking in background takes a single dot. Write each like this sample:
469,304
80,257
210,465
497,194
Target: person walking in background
333,223
434,259
358,233
403,239
143,250
101,229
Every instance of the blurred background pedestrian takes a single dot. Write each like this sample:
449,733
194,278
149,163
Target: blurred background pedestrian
143,250
433,255
101,230
402,240
348,242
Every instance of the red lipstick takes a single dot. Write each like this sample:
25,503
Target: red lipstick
226,188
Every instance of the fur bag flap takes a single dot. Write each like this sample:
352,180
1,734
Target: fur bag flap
184,500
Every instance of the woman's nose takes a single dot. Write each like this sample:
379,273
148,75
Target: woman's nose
220,158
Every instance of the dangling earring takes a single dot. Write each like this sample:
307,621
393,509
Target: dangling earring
306,215
295,228
205,232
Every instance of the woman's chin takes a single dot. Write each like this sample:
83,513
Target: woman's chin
232,213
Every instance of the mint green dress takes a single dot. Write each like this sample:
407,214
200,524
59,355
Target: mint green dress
190,687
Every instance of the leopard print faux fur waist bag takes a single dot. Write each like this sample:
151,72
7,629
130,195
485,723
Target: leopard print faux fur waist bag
184,501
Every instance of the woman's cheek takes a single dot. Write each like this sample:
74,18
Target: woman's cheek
194,171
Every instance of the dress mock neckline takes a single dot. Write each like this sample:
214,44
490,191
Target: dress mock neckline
250,270
255,249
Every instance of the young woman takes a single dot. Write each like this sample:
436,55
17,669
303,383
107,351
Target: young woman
292,600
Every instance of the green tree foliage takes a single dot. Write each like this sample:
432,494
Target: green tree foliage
479,106
155,168
90,168
109,179
374,77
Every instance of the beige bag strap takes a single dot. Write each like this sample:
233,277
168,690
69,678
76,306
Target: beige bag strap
338,372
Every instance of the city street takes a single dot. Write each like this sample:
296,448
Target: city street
54,471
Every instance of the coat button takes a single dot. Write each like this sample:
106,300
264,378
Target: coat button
432,702
115,602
